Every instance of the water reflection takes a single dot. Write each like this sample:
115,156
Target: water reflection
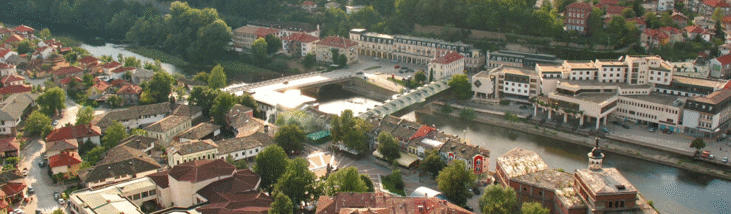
113,50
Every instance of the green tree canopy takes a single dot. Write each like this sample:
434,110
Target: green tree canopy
388,147
698,143
461,85
113,134
44,34
309,61
37,124
259,52
25,46
204,97
114,101
297,181
282,204
350,131
84,115
499,200
274,43
95,155
217,79
201,76
432,163
533,208
270,165
345,180
221,105
290,137
420,76
454,181
157,89
53,101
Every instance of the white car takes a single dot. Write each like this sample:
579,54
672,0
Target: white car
61,201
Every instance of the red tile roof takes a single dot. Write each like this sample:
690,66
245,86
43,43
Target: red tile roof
335,41
100,85
74,132
423,131
111,65
4,52
67,70
669,30
263,32
201,170
23,28
14,38
726,19
122,69
715,3
67,80
64,159
3,65
119,82
308,3
614,10
656,34
725,59
694,29
9,144
53,42
4,30
301,37
728,85
130,89
448,58
637,20
160,178
13,188
41,49
11,78
580,5
88,59
65,49
14,89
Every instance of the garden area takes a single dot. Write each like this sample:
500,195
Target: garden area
394,182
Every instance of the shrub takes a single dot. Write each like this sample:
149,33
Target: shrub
468,113
504,102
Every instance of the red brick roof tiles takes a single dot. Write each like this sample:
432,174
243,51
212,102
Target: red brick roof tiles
423,131
448,58
23,28
67,70
335,41
160,178
74,132
67,80
100,85
579,5
111,65
14,89
263,32
64,159
130,89
4,52
201,170
308,3
13,188
122,69
11,78
715,3
5,66
9,144
301,37
725,59
14,38
87,60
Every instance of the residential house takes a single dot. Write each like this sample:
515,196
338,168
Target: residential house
347,47
43,52
721,67
179,153
12,79
125,197
119,72
707,7
82,134
55,44
5,32
13,109
64,72
201,131
308,5
119,164
134,116
65,163
195,113
167,128
5,54
243,38
692,31
613,10
350,9
332,4
204,182
15,89
12,39
88,61
244,147
705,22
242,123
7,69
289,28
141,143
476,158
380,202
13,189
577,16
665,5
110,66
99,88
9,147
24,31
299,44
54,148
142,75
679,18
130,94
447,65
71,81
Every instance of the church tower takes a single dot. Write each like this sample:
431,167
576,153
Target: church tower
596,156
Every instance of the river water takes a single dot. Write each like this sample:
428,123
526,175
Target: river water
672,190
114,50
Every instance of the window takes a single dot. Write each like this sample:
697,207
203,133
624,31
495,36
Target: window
136,197
145,194
152,192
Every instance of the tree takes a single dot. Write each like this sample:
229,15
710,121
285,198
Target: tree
58,211
95,155
114,133
388,147
350,131
433,163
217,79
341,60
201,76
345,180
270,165
420,76
499,200
44,34
698,144
37,124
259,52
454,181
717,15
274,43
24,46
290,137
461,86
534,208
368,182
431,75
211,39
114,101
297,181
88,80
84,115
221,105
203,96
157,89
282,205
52,102
138,132
308,61
628,13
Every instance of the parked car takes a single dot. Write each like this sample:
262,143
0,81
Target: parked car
30,190
25,172
376,58
61,201
55,122
668,131
359,73
476,190
616,123
724,160
604,129
625,126
56,195
42,163
711,157
652,130
396,66
705,154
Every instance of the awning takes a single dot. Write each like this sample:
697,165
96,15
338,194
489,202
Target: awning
406,160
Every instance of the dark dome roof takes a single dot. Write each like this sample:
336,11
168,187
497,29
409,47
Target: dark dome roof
597,153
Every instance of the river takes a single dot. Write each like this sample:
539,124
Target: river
114,50
672,190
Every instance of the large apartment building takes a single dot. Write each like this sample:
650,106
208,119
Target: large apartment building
519,59
577,17
414,50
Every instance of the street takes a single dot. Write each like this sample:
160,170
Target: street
38,178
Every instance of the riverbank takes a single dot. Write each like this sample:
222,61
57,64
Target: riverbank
614,146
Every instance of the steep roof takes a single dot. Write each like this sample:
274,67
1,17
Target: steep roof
138,142
336,41
67,80
160,178
67,70
130,89
13,107
448,58
14,89
61,145
123,69
715,3
4,65
201,170
74,132
64,159
581,5
111,65
100,85
190,147
166,123
725,59
88,59
11,78
243,180
9,144
120,161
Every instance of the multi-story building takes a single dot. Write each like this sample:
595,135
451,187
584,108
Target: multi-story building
519,59
124,197
577,16
244,147
347,47
121,163
13,109
179,153
446,66
654,109
244,36
665,5
707,7
380,202
289,28
691,87
299,44
475,158
708,115
81,133
507,83
721,67
135,116
167,128
414,50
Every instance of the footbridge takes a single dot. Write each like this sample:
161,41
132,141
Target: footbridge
401,101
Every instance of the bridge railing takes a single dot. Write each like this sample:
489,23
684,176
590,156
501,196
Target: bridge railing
320,82
270,82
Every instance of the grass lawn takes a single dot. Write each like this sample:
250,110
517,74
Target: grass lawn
386,182
160,55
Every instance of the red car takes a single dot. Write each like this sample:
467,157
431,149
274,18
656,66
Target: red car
397,66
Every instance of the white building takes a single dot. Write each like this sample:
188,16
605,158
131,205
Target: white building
119,198
506,83
447,65
13,109
167,128
244,147
179,153
665,5
135,116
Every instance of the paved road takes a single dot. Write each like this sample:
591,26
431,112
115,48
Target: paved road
38,179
